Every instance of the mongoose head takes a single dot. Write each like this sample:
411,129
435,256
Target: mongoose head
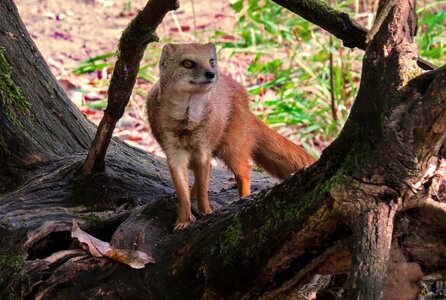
190,68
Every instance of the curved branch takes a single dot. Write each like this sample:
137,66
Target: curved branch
134,40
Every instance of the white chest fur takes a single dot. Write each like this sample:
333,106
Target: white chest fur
189,107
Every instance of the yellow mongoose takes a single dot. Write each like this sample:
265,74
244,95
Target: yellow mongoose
196,113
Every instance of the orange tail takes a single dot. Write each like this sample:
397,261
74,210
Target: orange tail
275,154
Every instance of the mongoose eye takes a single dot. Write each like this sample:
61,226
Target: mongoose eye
188,64
213,63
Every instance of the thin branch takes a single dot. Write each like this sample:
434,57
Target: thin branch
337,23
134,40
332,95
379,21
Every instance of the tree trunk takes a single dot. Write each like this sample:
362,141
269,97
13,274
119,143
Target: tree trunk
372,206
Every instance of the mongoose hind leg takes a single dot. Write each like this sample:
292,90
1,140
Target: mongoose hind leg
241,168
243,181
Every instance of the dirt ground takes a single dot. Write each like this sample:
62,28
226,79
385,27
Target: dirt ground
67,32
72,31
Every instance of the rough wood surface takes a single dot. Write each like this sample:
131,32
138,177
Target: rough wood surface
53,127
373,236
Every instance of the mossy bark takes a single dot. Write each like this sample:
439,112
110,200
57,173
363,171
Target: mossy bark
11,99
38,121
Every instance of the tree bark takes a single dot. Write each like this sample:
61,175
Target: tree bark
380,182
50,126
373,236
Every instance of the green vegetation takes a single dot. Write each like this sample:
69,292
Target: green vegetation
287,69
95,64
90,218
230,242
290,78
431,37
10,264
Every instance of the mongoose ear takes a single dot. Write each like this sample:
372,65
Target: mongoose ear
166,54
213,48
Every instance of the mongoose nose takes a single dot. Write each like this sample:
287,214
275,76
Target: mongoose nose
210,75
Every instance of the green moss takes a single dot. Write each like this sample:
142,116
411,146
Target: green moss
262,238
10,264
12,101
91,218
230,243
409,74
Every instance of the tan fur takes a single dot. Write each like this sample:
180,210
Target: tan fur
193,122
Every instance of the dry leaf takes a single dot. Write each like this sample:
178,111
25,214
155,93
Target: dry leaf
96,247
133,258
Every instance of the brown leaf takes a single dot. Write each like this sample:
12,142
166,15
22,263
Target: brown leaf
133,258
96,247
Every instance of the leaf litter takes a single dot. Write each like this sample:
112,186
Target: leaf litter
133,258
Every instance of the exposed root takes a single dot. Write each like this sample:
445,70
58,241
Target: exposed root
437,276
335,260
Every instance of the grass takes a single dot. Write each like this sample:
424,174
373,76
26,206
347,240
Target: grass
287,70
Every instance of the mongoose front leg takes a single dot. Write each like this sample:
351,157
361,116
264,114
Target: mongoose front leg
178,162
201,165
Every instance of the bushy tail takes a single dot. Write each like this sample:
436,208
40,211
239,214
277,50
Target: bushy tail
275,154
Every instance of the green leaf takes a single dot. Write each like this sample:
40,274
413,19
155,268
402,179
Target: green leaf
99,57
92,67
97,104
237,6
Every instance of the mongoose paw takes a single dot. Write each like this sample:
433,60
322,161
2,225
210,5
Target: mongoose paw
205,211
179,224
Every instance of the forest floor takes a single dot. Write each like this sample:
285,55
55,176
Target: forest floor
70,32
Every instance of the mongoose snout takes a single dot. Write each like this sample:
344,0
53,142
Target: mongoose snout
210,75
